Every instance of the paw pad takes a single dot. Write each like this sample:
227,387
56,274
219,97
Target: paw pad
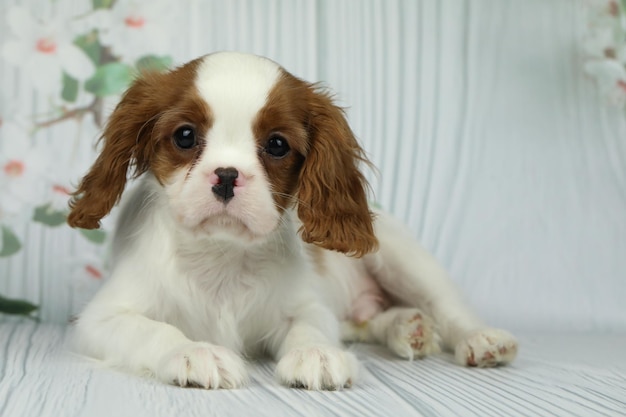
487,348
412,335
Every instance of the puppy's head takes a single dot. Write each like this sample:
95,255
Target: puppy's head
234,140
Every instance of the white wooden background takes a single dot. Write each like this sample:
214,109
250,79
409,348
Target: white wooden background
492,144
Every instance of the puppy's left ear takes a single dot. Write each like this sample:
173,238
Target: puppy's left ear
332,201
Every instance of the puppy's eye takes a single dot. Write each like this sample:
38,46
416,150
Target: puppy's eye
185,137
277,146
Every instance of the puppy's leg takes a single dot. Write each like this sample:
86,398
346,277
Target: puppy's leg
138,344
413,277
309,353
406,331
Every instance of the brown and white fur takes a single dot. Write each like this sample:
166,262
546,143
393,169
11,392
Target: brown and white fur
249,233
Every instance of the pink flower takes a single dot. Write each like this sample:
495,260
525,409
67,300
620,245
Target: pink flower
43,51
87,275
22,168
611,77
137,28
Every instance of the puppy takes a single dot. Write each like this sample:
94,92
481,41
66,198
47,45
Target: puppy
249,233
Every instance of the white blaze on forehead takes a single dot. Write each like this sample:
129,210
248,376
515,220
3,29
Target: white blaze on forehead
236,87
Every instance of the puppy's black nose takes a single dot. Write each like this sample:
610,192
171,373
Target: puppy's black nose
224,188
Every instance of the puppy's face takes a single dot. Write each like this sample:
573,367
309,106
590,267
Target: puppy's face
235,140
232,146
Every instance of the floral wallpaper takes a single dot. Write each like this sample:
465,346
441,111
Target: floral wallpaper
75,62
434,89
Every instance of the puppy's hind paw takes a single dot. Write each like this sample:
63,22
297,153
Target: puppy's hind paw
486,348
203,365
412,335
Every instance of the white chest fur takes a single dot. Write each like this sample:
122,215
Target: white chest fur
215,290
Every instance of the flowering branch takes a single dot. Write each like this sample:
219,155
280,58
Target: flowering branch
95,108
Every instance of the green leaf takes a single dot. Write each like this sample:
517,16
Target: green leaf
48,216
10,306
90,44
10,243
153,63
94,236
70,88
102,4
109,79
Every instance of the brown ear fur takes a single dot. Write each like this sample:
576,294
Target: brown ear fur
333,205
126,140
130,142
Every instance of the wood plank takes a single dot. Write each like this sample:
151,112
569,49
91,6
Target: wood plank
39,377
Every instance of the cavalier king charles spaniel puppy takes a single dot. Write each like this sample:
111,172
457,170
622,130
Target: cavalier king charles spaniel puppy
249,233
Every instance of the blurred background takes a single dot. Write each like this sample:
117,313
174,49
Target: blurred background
498,128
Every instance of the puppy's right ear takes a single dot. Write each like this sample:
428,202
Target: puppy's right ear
126,140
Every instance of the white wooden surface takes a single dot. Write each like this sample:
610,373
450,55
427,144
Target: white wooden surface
38,378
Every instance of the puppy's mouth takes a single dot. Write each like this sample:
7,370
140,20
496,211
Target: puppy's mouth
226,226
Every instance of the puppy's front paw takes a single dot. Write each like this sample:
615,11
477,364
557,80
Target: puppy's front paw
317,368
412,334
486,348
203,365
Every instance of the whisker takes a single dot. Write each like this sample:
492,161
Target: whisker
292,198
